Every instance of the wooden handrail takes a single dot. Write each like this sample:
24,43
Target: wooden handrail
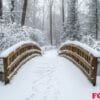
82,58
15,59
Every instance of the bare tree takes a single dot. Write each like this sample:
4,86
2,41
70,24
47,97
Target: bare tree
97,19
24,12
0,8
12,9
43,15
50,12
63,14
34,10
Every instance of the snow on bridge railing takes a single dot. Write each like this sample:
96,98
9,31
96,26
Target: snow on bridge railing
91,50
14,57
83,56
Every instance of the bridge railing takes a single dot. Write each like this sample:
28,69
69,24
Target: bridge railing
12,61
82,58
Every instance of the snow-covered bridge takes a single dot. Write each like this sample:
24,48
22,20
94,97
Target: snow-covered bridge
15,56
47,77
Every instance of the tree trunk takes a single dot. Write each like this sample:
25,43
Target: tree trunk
43,17
24,12
34,10
63,13
51,24
0,8
96,19
12,9
50,9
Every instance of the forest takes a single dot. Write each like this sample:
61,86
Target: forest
49,22
49,49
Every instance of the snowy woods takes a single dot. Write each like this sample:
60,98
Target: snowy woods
63,29
48,21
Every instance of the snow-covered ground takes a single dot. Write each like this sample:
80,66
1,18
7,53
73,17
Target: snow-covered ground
49,77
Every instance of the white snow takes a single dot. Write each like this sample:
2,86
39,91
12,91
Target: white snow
6,52
49,77
83,45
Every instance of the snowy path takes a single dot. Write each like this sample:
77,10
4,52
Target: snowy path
49,77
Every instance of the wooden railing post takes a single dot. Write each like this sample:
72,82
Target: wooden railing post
6,80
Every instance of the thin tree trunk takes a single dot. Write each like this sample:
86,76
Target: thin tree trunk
51,33
0,8
43,17
34,11
63,13
24,12
12,9
96,19
51,24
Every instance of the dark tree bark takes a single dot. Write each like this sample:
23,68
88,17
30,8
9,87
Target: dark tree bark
0,8
24,12
50,12
63,16
12,9
63,13
97,19
51,24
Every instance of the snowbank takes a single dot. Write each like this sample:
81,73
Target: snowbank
83,45
6,52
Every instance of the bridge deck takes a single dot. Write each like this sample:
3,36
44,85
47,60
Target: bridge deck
49,77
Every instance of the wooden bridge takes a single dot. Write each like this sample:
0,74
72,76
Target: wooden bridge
84,59
14,59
